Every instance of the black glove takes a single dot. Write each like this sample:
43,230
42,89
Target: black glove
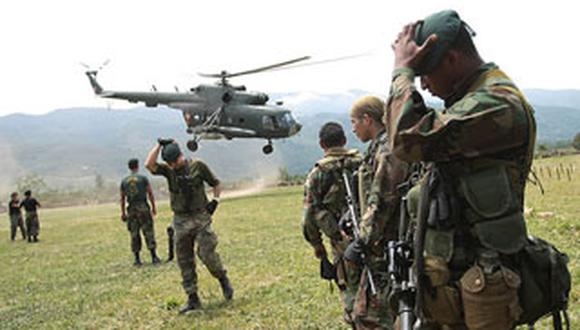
354,251
212,206
163,142
327,269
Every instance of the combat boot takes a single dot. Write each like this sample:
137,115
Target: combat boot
226,287
29,239
35,239
137,261
193,303
154,258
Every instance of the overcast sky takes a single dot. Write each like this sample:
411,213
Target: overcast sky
166,42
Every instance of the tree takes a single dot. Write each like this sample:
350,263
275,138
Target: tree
32,182
99,182
283,175
576,142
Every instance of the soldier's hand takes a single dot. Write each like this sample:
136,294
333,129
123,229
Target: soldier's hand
124,218
320,251
407,53
353,252
163,142
212,206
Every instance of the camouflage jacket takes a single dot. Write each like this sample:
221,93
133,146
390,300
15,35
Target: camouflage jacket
187,186
379,175
482,143
325,196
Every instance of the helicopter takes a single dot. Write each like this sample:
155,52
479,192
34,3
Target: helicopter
222,110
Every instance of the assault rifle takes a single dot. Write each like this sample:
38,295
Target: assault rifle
354,219
400,265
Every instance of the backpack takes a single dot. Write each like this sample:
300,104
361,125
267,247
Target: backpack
545,284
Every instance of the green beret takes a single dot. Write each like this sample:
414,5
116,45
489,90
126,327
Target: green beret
446,25
170,152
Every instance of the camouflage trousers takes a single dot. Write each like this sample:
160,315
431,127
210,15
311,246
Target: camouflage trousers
15,223
190,230
140,220
32,224
347,277
373,311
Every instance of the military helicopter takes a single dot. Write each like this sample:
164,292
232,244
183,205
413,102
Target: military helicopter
218,111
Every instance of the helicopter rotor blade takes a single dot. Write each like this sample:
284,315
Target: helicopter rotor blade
107,61
84,65
324,61
224,74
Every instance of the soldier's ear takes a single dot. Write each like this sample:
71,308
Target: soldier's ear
322,145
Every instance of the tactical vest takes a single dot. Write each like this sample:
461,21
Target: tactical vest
481,198
187,190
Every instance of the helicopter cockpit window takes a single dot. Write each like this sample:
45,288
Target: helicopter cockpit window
270,123
287,120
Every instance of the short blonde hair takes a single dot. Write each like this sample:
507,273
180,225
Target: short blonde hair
372,106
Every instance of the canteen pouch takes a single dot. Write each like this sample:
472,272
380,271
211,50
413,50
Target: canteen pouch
490,301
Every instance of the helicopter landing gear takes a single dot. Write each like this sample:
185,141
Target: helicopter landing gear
268,148
192,145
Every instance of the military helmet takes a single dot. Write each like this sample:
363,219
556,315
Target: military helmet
170,152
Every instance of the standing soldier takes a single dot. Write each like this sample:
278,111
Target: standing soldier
15,216
479,150
135,189
325,203
379,175
191,216
32,224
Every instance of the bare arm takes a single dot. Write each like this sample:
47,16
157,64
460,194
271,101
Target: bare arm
123,215
217,190
151,199
151,161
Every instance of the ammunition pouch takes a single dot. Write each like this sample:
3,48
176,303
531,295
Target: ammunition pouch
492,209
441,301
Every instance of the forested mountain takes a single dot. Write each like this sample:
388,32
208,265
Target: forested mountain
69,147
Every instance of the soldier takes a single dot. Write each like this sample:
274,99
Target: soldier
15,217
479,152
325,203
192,216
32,224
135,189
379,175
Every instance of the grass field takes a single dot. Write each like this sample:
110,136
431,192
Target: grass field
81,276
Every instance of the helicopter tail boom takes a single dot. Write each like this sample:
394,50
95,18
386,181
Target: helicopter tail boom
92,74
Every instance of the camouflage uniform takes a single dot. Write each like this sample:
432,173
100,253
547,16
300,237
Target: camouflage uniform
191,221
16,219
379,175
31,219
480,152
139,216
324,204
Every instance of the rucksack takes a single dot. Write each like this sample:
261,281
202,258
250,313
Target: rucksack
546,282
